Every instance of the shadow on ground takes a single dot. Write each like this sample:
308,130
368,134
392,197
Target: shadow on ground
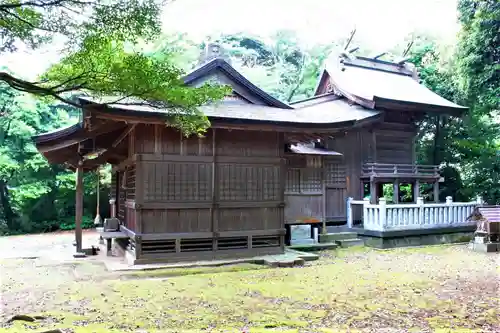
421,290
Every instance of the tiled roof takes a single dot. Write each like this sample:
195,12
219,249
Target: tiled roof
227,69
305,150
490,213
376,82
332,112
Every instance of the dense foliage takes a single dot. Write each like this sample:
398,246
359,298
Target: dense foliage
100,57
35,196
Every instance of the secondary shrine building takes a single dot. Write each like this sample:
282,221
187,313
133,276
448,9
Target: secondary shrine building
263,164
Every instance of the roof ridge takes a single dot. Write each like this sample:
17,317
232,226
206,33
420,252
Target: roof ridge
229,70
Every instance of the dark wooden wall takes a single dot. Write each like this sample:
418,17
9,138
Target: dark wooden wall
315,188
389,142
217,194
394,143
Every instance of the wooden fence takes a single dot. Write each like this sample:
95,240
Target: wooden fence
388,217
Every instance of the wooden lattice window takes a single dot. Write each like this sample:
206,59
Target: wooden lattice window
248,182
177,181
335,174
305,175
130,183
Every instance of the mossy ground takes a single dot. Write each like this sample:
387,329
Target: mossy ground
427,289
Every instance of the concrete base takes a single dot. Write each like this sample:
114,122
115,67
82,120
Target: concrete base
415,237
306,241
351,242
392,242
314,247
79,255
335,237
279,260
484,247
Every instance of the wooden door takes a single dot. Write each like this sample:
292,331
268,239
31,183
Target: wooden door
336,189
304,189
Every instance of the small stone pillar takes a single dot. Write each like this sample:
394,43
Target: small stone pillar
113,207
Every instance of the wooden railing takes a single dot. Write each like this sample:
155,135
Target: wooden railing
384,217
401,169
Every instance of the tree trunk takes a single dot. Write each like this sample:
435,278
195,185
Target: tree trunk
8,213
299,81
436,152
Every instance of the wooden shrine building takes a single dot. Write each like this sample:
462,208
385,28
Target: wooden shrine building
377,150
216,196
262,164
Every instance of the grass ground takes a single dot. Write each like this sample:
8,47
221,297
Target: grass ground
431,289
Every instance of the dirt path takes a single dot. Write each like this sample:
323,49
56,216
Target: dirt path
404,290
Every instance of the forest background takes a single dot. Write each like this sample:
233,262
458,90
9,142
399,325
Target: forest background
38,197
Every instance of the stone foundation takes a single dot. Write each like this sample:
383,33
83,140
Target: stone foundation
485,247
403,238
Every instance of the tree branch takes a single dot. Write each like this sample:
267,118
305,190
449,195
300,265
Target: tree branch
28,23
42,4
26,86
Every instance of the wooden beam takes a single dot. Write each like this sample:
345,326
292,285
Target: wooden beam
373,192
416,190
403,60
122,136
436,191
351,36
396,191
79,207
213,209
299,128
81,136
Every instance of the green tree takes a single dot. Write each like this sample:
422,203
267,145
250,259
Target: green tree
36,196
478,69
467,147
280,65
100,58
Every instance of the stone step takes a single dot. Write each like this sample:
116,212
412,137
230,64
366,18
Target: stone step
303,241
330,238
350,242
314,247
307,256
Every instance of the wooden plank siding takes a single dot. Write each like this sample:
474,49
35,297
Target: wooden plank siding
313,191
386,142
206,197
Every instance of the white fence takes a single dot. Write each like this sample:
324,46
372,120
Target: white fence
388,217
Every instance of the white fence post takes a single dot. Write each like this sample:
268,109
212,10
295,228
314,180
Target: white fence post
349,213
382,208
421,217
479,200
366,216
449,208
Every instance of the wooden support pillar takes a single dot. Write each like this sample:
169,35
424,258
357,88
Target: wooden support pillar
79,207
213,211
436,191
323,197
395,195
416,190
380,191
373,192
